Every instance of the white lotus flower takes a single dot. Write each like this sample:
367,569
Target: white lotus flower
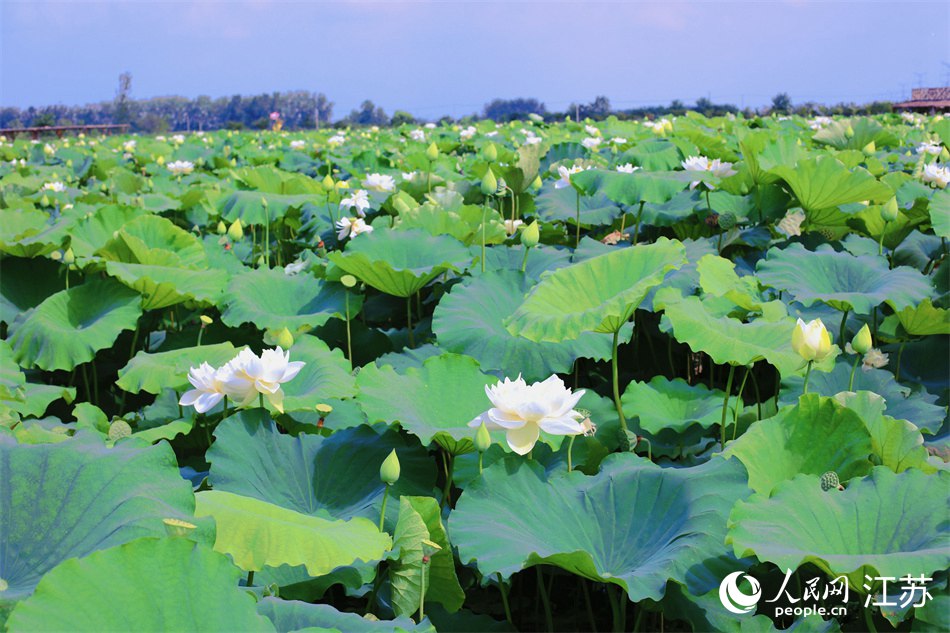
565,175
811,340
874,359
702,164
791,224
351,227
129,146
409,176
430,126
820,122
523,411
591,142
929,147
511,226
659,127
379,182
178,138
618,140
208,388
56,186
180,167
359,200
298,144
936,175
467,133
49,149
627,168
533,140
293,268
336,140
591,130
491,134
247,375
417,135
157,138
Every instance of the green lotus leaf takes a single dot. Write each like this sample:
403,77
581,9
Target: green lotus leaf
813,437
923,319
154,240
725,339
25,283
400,263
560,205
37,397
170,584
163,286
68,499
326,375
156,372
249,207
12,378
940,213
542,259
633,524
877,526
97,228
717,277
70,326
312,474
824,182
657,154
672,404
20,228
272,300
436,401
420,520
854,134
841,280
289,616
463,223
597,295
640,186
257,534
470,320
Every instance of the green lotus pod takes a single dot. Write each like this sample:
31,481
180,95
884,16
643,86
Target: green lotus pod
236,231
177,527
348,280
490,153
482,438
119,429
432,152
829,481
890,211
389,470
489,183
727,221
531,235
862,340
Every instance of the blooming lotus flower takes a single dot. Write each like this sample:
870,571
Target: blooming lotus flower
565,175
178,138
592,142
298,144
180,167
532,139
928,147
359,200
55,186
160,137
591,130
351,227
208,388
379,182
791,224
936,175
523,411
874,359
811,340
511,226
627,168
467,133
820,122
274,116
336,140
129,146
247,375
430,126
702,164
491,134
294,267
618,140
417,135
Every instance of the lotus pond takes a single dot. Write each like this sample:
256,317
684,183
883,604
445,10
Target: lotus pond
601,376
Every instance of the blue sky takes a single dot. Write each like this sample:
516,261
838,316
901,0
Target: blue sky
435,58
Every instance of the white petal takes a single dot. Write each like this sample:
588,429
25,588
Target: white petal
564,425
523,440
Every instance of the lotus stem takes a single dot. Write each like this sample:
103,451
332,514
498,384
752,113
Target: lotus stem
758,397
577,239
480,458
616,382
382,512
412,338
225,403
85,380
266,238
349,337
260,400
449,465
900,353
590,610
880,243
504,599
428,184
842,330
545,601
250,579
636,227
725,407
735,420
422,592
854,368
570,449
484,222
524,260
869,620
805,386
615,609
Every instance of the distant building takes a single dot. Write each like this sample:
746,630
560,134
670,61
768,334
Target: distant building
927,100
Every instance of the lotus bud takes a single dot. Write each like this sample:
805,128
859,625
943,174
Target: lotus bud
811,340
284,338
862,342
489,183
222,227
233,162
206,320
890,211
69,257
69,163
44,201
531,235
119,429
482,438
490,153
536,184
348,280
260,262
432,152
849,131
263,202
160,160
177,527
870,148
327,182
389,471
236,231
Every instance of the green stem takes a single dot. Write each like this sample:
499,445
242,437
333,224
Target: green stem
869,620
854,368
616,382
725,407
225,403
250,579
807,374
739,404
577,239
201,331
481,456
880,243
900,353
449,465
841,329
412,338
382,512
570,449
260,400
504,599
349,337
85,380
428,184
614,609
422,593
587,604
545,601
266,238
524,261
484,223
636,226
758,398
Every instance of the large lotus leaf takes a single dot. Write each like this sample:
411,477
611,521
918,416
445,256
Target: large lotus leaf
163,286
257,534
725,339
68,499
289,616
154,585
434,402
169,370
270,299
841,280
471,320
813,437
924,319
17,226
70,326
672,404
824,182
885,524
653,155
94,231
632,524
463,223
400,263
36,398
541,259
640,186
939,209
326,375
154,240
25,283
313,474
596,295
560,205
256,207
854,134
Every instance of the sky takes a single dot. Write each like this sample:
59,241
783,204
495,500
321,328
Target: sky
451,57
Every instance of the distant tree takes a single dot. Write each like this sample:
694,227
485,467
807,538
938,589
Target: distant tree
781,103
153,123
401,117
47,119
511,109
367,114
677,106
123,94
704,106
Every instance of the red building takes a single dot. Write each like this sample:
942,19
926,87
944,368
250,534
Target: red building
927,100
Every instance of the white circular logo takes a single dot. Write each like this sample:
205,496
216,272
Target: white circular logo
733,598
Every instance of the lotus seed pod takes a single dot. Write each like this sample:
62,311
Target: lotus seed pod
727,220
490,153
206,319
56,255
119,429
827,233
177,527
348,280
829,481
489,183
862,340
69,257
284,338
890,211
531,235
389,471
432,152
324,409
222,228
236,231
482,438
